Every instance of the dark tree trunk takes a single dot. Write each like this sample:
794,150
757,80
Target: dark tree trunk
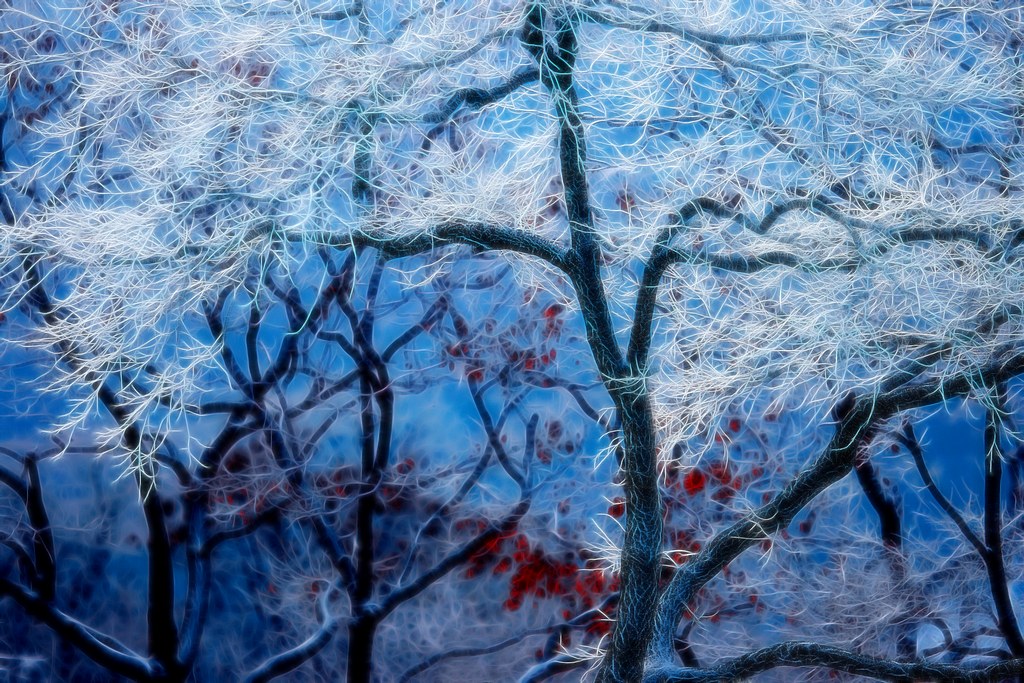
360,651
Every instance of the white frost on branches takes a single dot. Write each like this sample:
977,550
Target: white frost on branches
200,139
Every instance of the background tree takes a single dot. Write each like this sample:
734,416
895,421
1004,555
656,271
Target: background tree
803,217
325,493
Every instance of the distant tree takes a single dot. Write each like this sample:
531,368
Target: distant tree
360,535
785,229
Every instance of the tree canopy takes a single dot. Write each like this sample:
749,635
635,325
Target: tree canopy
800,216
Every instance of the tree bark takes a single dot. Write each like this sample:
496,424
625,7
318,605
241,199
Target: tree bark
360,650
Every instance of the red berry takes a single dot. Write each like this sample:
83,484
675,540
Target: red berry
694,482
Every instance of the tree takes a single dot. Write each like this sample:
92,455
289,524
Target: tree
374,529
754,210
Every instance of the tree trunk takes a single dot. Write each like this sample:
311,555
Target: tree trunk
641,552
360,650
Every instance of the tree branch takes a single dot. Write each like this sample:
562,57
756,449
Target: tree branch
994,563
404,593
106,652
282,663
828,657
856,417
480,236
909,440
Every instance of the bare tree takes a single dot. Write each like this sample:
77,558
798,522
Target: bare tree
749,207
360,534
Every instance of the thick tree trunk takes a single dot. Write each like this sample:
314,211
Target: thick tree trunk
360,650
641,549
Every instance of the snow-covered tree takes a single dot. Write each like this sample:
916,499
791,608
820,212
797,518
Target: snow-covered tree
783,228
